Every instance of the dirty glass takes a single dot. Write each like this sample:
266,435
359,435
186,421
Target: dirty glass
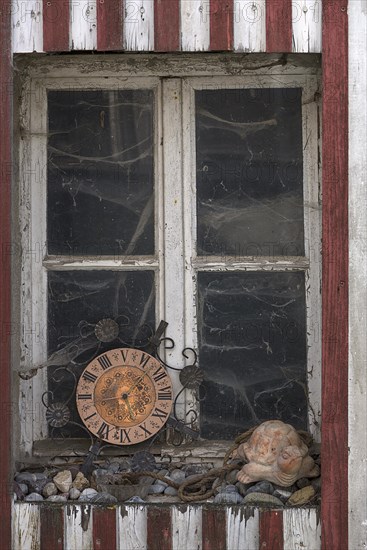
249,172
77,301
100,173
252,348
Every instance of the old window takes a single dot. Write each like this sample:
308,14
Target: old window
189,198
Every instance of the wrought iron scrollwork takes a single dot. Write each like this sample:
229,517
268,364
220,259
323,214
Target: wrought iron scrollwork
77,353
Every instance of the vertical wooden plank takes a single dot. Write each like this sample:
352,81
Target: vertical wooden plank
132,528
139,25
278,26
357,66
109,25
311,107
271,530
27,24
83,25
166,25
214,528
174,240
242,528
25,527
221,25
159,528
78,527
306,26
334,444
6,101
104,529
301,529
195,25
186,527
56,23
52,528
249,26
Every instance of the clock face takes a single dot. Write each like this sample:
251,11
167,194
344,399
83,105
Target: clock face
124,396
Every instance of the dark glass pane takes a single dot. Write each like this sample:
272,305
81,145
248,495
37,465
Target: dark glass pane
100,173
77,301
252,346
249,172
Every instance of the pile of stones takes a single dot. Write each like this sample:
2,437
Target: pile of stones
70,485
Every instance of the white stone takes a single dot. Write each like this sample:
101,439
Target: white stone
87,495
74,493
33,497
63,481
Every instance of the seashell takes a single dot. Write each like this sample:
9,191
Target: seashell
275,453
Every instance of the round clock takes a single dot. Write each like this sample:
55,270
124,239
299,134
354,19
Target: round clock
124,396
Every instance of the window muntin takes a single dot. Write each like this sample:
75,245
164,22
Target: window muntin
176,280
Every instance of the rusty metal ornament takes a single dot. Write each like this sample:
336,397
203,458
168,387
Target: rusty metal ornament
57,415
124,396
191,377
106,330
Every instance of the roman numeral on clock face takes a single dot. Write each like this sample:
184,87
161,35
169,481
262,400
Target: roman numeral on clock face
104,361
159,374
84,396
104,430
144,360
90,416
146,431
124,436
160,414
165,393
124,353
89,377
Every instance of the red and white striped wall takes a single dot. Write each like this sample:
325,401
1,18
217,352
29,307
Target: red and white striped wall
167,25
240,26
157,527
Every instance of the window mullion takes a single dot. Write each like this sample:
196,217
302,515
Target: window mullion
189,190
173,228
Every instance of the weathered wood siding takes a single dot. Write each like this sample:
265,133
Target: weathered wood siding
357,409
166,25
161,527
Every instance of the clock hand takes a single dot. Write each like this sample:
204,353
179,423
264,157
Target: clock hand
132,416
136,383
107,399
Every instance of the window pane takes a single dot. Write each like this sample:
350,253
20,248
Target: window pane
249,172
77,301
252,346
100,173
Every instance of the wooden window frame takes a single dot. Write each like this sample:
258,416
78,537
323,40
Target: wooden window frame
175,242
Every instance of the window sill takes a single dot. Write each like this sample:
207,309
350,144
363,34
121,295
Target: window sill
195,451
